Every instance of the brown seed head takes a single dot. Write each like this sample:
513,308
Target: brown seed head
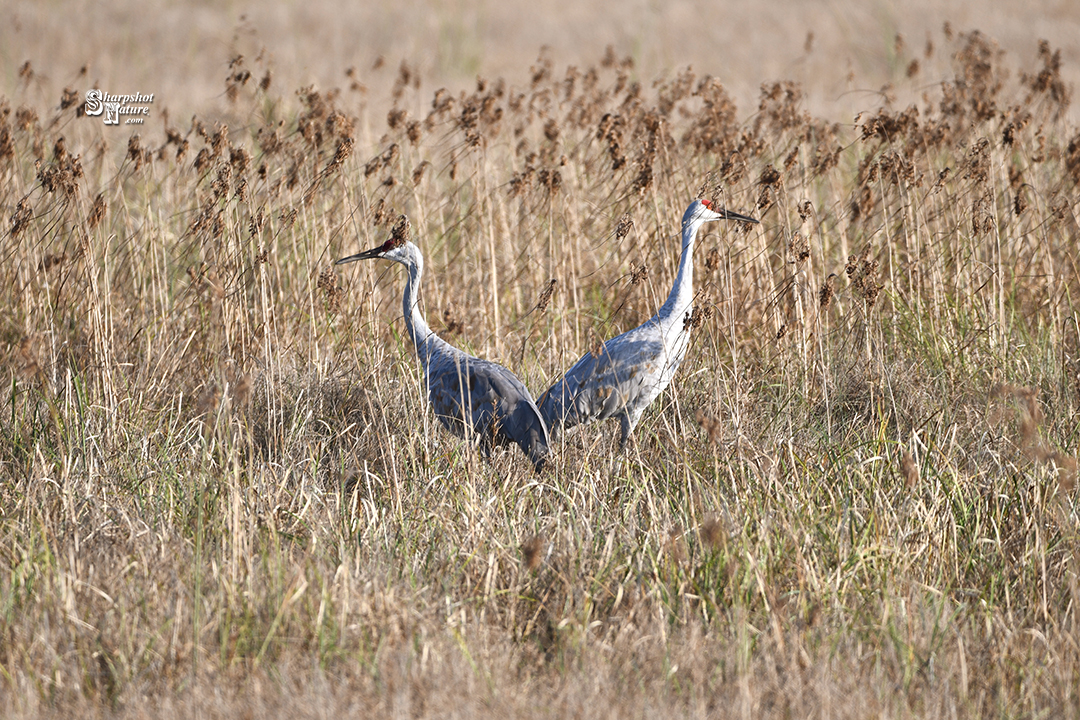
400,233
862,273
241,390
825,296
239,159
52,260
255,223
381,213
207,403
533,551
712,532
676,546
909,470
28,364
451,320
521,182
1019,203
551,130
791,158
697,317
644,178
219,140
135,150
21,217
545,297
418,172
202,160
396,118
1066,468
341,154
220,186
329,285
799,247
712,261
25,118
712,427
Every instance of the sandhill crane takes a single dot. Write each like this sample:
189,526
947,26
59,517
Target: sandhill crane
463,389
631,370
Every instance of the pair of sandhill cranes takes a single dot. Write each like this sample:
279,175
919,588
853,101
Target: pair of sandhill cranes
481,399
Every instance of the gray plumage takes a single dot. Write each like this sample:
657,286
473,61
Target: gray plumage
464,391
631,370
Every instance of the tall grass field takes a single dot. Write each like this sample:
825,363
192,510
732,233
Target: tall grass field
223,493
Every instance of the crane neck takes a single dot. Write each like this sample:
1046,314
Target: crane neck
681,298
417,327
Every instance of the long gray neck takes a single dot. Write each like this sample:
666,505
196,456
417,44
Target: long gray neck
414,320
681,298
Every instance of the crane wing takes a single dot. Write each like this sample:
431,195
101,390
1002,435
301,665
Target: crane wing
600,386
494,402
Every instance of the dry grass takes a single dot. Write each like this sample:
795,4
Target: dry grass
221,493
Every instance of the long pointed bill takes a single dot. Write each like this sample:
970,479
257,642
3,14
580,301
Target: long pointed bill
372,253
732,215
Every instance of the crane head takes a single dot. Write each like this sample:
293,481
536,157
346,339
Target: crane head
709,210
392,249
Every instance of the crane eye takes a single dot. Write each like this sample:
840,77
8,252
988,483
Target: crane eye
707,203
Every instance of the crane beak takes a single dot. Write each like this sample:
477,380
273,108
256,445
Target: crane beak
732,215
372,253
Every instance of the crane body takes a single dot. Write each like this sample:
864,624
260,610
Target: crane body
631,370
470,396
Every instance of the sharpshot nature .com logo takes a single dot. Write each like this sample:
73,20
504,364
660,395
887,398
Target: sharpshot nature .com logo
132,108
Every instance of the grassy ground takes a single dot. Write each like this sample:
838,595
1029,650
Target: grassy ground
222,494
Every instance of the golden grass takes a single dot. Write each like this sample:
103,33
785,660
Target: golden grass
222,493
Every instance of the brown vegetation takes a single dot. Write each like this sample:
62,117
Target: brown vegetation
221,493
